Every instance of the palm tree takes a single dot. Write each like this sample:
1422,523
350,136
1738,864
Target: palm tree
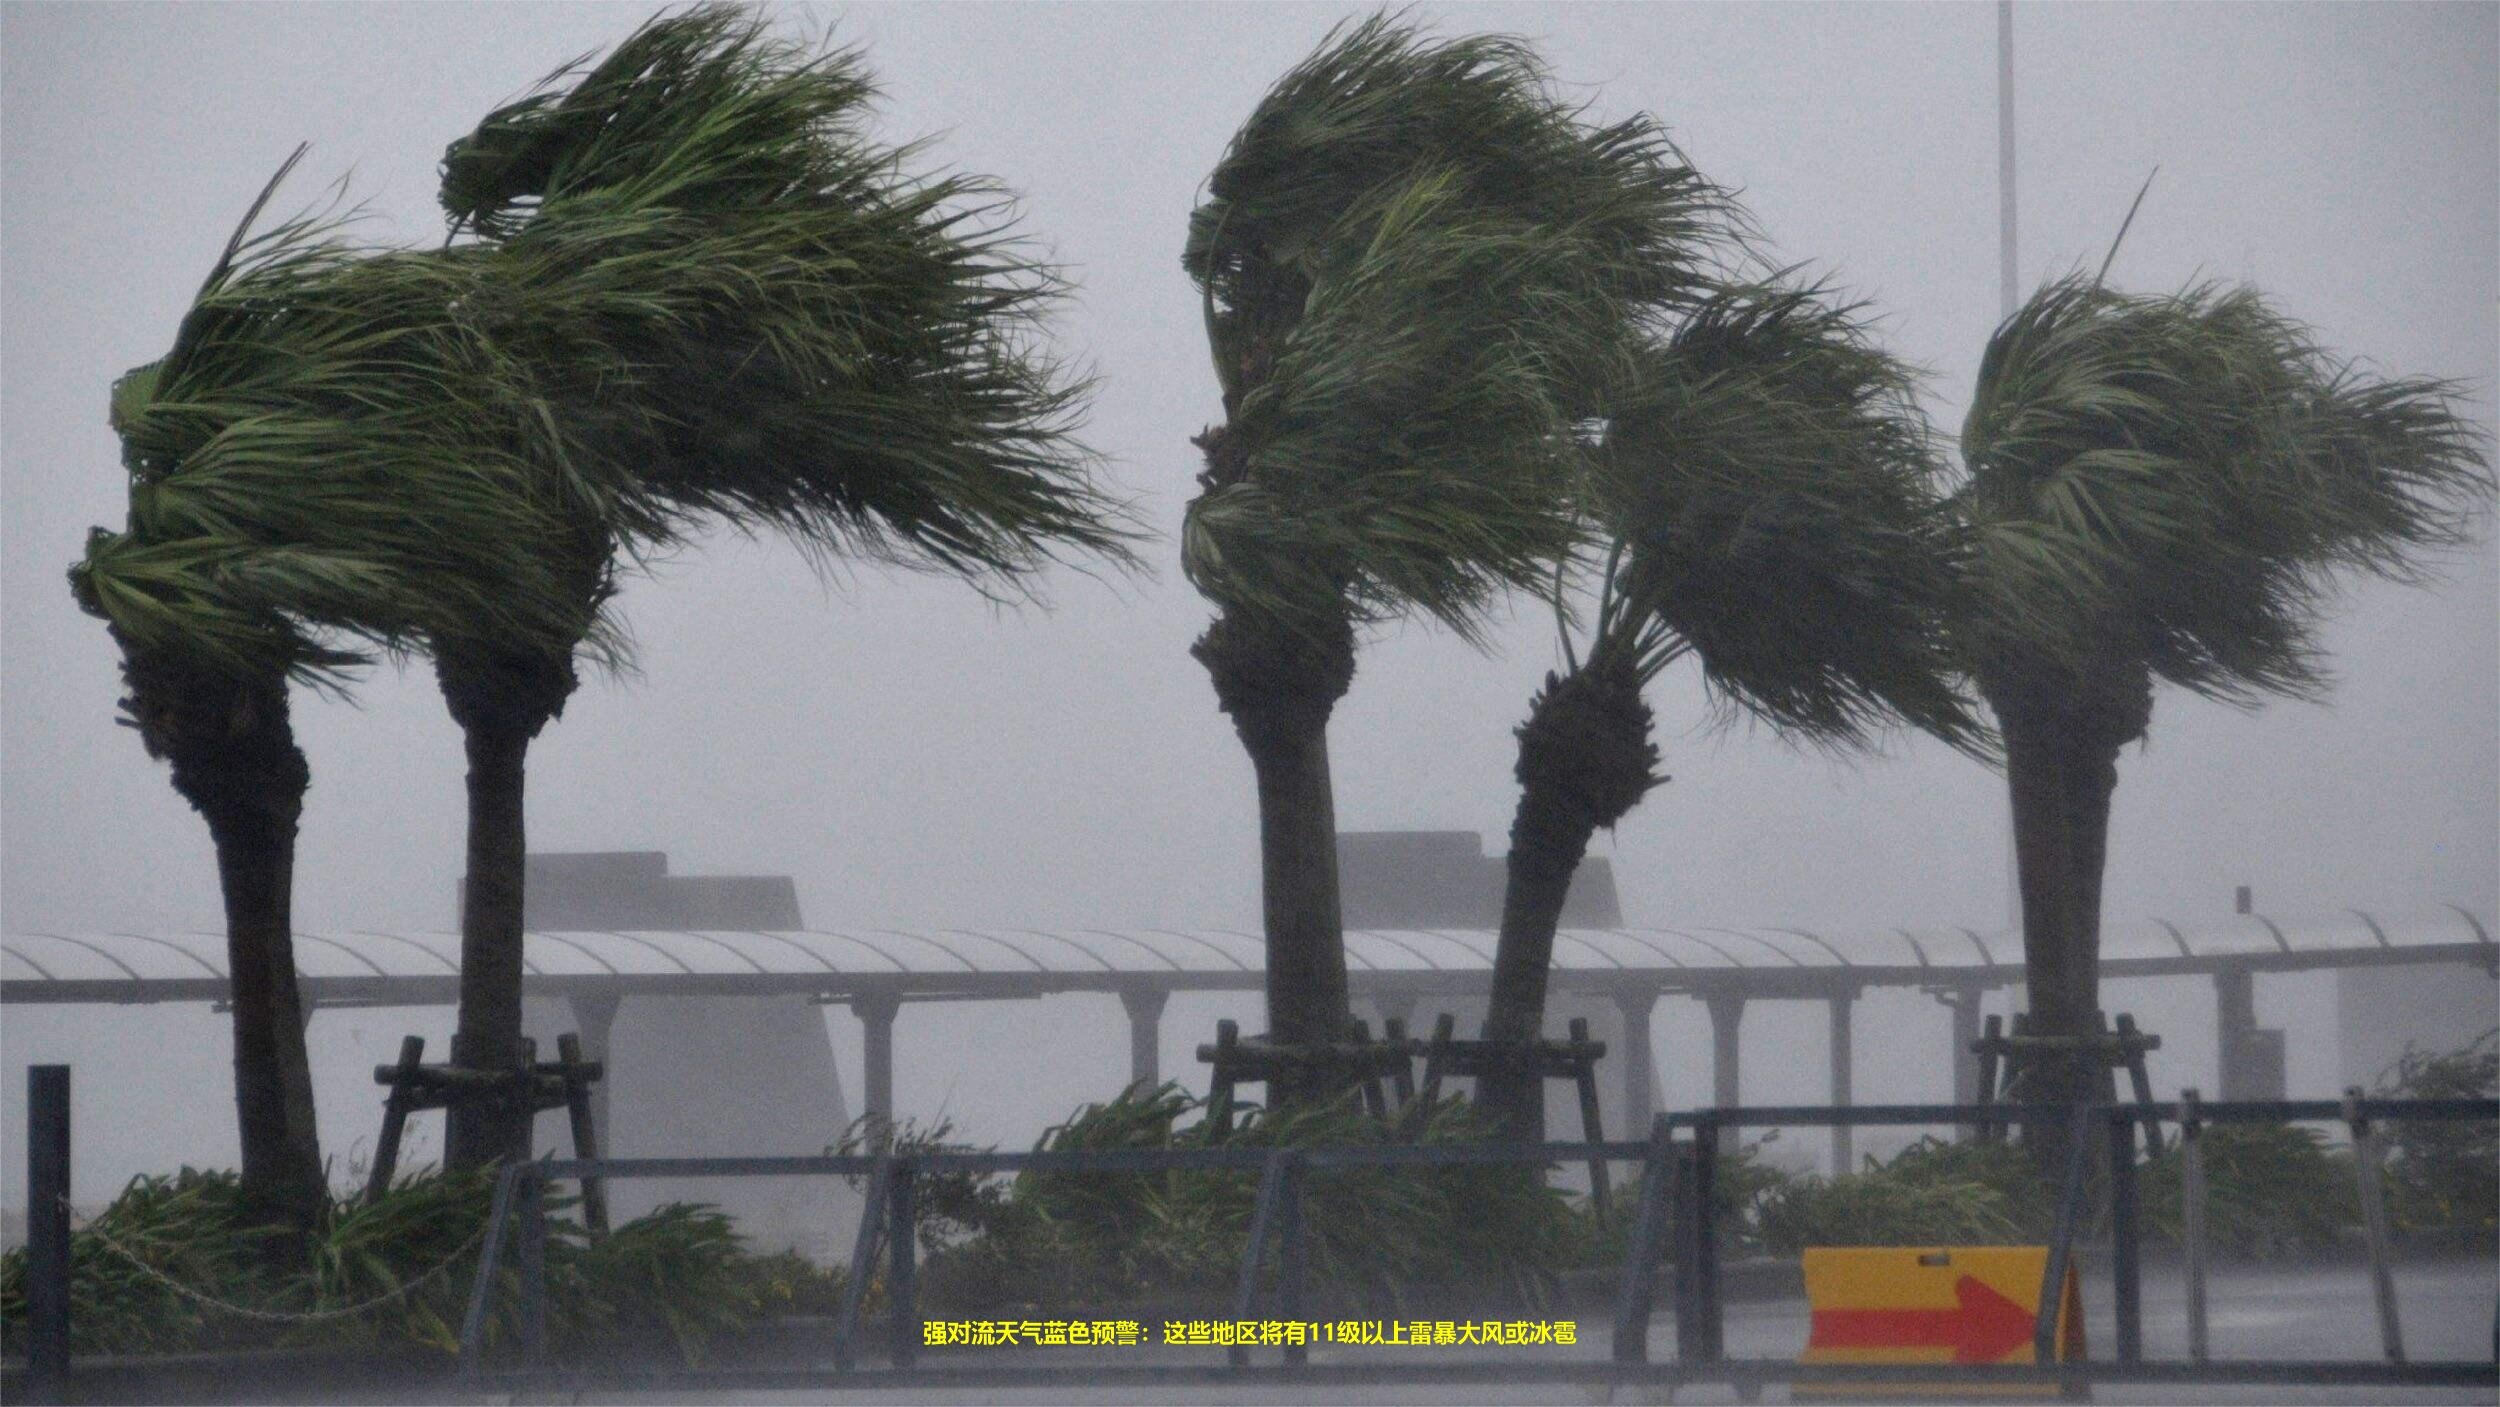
1765,484
301,463
1415,260
2167,487
741,309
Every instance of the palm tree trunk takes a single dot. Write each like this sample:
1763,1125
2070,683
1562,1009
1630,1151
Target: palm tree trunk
2062,739
1280,682
1585,760
501,701
2059,987
232,746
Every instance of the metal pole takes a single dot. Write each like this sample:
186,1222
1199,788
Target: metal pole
872,1214
902,1281
2007,293
2007,298
1844,1141
1292,1257
47,1231
1272,1176
1708,1344
2192,1218
2365,1163
2062,1238
2126,1273
482,1290
1640,1254
533,1250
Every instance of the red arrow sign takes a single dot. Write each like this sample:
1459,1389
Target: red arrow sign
1982,1327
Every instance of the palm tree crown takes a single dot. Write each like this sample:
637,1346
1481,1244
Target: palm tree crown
1418,266
2172,481
1770,494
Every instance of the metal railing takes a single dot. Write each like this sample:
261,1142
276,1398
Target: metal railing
1676,1207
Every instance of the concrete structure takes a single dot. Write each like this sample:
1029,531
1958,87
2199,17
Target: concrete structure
1614,975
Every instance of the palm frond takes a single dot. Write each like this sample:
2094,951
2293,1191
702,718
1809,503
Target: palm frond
2174,481
1419,266
770,321
1771,492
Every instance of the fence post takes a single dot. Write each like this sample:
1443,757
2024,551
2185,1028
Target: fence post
1272,1175
863,1265
2062,1237
2365,1167
395,1109
47,1231
1291,1257
482,1291
2192,1217
902,1278
1640,1255
533,1267
1698,1337
2126,1273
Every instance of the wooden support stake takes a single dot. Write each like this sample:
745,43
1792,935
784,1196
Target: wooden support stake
1437,1055
1220,1089
2139,1080
585,1133
395,1109
1403,1079
1592,1127
1991,1041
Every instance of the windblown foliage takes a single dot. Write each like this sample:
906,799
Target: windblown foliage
328,447
1376,1235
702,294
763,319
1769,491
2172,480
675,1281
1419,267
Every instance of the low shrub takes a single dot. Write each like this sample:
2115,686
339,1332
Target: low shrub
396,1271
2271,1191
1931,1193
2443,1179
1063,1242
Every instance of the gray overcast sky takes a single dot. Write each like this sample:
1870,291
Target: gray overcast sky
915,757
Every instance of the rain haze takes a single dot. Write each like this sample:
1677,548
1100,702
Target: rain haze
918,758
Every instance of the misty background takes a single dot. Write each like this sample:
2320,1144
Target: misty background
918,758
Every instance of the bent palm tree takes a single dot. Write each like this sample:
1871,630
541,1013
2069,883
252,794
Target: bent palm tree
1766,483
741,310
303,461
1414,261
2166,487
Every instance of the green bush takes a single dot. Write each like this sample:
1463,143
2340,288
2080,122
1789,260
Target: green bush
2271,1191
2443,1179
1931,1193
1062,1242
405,1263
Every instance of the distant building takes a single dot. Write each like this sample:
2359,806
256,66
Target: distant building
1443,879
